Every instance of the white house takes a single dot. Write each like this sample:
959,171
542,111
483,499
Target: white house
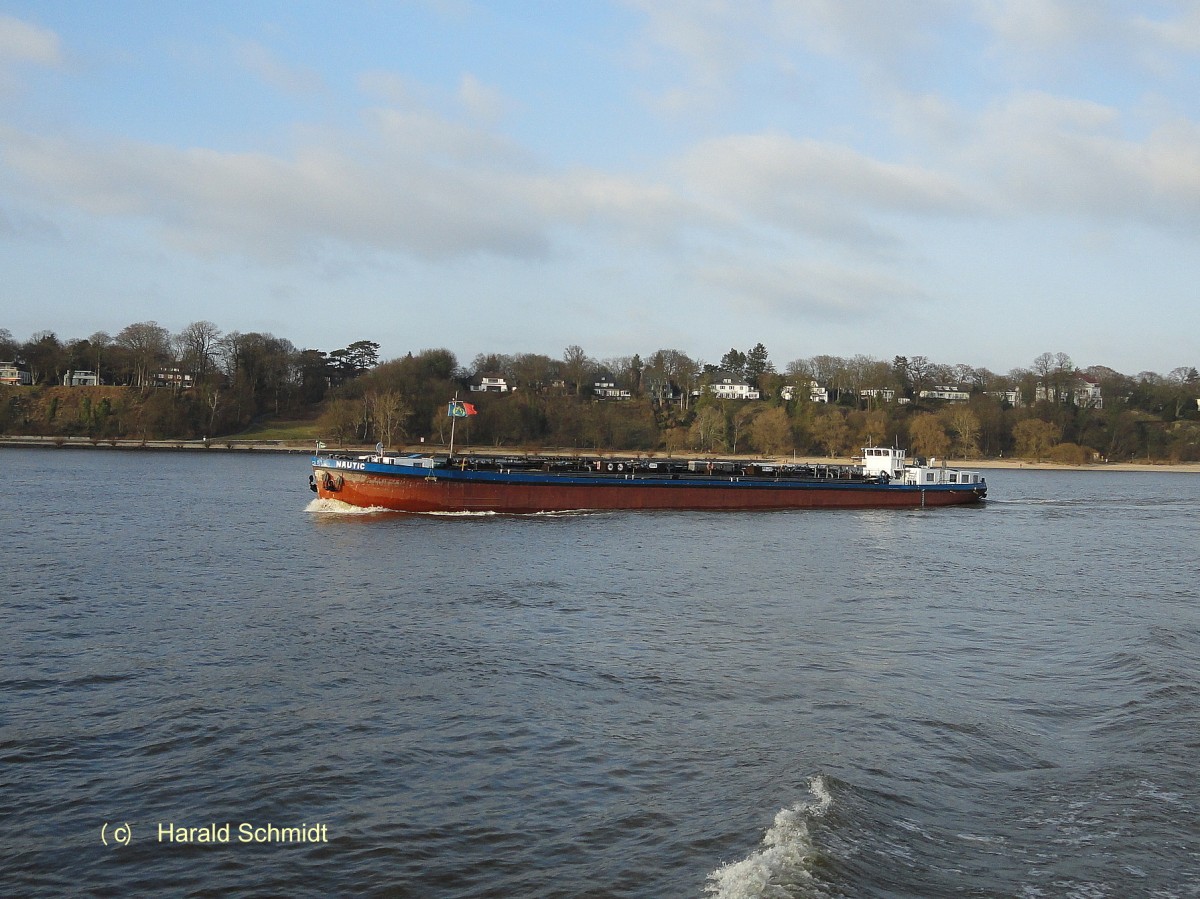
1012,397
1086,393
879,393
172,377
947,393
80,378
729,388
11,373
490,384
816,393
607,388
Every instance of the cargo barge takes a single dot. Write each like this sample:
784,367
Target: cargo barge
429,483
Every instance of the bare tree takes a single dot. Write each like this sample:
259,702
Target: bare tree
492,364
212,399
197,348
830,430
388,410
1043,365
964,375
340,420
928,436
964,424
859,370
575,366
663,374
920,373
100,343
149,348
741,418
534,371
708,430
800,368
772,432
1065,377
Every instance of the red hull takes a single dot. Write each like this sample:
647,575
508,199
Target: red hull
447,494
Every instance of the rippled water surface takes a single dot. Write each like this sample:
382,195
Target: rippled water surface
991,701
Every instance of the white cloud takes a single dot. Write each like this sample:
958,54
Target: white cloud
21,42
1052,26
262,62
1048,154
1043,23
412,183
710,37
820,189
873,31
1173,165
393,88
787,290
719,36
1182,33
484,102
1062,38
417,133
713,42
284,210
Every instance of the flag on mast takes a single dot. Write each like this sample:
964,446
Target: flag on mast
459,409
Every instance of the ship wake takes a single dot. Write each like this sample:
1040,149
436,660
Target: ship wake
337,507
783,864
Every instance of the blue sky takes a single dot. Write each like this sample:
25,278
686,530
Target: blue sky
976,181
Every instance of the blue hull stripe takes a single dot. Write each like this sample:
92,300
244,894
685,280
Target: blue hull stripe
535,478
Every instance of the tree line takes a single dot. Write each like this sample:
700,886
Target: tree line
204,382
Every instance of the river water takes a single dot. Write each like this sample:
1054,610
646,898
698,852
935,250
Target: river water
993,701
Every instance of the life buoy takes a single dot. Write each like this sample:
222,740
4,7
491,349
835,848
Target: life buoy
610,466
620,466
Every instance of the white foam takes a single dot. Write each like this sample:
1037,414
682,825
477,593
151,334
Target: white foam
782,862
462,513
976,838
337,507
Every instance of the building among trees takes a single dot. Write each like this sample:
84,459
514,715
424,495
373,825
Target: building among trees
11,373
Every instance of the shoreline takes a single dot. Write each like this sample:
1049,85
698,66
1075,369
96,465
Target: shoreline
235,445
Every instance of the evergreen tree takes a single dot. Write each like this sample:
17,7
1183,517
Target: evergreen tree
734,362
757,364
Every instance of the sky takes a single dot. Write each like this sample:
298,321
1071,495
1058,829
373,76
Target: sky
975,181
